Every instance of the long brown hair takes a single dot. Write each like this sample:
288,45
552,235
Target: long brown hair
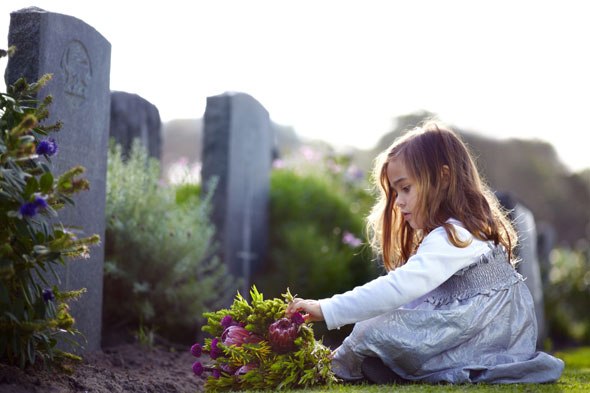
431,153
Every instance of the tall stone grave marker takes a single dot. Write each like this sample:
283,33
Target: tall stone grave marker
237,144
79,59
133,117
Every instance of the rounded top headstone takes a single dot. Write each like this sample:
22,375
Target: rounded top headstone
29,9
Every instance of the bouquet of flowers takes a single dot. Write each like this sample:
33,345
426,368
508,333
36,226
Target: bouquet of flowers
254,346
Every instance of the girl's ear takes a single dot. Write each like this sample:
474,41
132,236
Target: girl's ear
446,176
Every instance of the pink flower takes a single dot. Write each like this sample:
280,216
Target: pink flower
245,369
308,153
351,240
278,164
237,335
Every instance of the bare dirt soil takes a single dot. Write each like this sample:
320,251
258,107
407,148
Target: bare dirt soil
125,368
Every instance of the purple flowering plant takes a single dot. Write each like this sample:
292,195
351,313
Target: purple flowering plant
47,147
34,314
255,346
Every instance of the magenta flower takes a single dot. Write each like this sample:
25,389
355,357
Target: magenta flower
227,321
198,368
237,335
215,351
282,335
196,350
297,318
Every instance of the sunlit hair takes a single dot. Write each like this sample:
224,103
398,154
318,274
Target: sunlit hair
462,195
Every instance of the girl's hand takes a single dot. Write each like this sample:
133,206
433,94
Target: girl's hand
311,309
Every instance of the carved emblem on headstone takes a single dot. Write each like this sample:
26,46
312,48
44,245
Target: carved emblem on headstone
77,70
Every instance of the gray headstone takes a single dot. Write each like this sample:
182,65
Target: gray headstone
529,267
133,117
237,145
79,59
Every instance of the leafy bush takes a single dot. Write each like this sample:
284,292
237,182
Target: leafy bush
33,311
567,296
317,210
316,227
158,251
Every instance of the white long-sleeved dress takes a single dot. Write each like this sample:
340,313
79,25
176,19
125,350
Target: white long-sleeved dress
449,314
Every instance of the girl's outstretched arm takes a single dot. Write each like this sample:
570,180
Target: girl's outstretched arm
311,309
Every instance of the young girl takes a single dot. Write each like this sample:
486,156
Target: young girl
451,307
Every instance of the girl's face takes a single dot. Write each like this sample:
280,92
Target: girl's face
406,190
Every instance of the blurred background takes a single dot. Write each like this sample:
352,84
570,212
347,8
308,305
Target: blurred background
342,71
342,79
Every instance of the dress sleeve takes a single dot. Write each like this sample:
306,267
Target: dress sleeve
435,261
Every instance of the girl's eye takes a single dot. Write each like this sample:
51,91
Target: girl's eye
406,189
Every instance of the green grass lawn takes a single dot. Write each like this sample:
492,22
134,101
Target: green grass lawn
575,378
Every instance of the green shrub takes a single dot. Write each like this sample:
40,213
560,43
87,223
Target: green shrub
567,296
159,269
316,227
33,311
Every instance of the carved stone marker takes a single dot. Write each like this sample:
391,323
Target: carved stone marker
133,117
79,59
237,145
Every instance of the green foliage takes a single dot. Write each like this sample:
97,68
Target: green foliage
575,379
311,215
33,311
318,203
158,251
567,296
307,365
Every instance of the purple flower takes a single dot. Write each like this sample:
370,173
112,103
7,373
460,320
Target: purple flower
278,164
297,318
227,369
196,350
351,240
40,202
216,374
353,173
47,147
282,334
48,295
30,208
227,321
245,369
198,368
215,351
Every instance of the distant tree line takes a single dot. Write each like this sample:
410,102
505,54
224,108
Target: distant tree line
530,170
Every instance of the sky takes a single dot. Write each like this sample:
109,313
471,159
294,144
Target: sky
342,71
